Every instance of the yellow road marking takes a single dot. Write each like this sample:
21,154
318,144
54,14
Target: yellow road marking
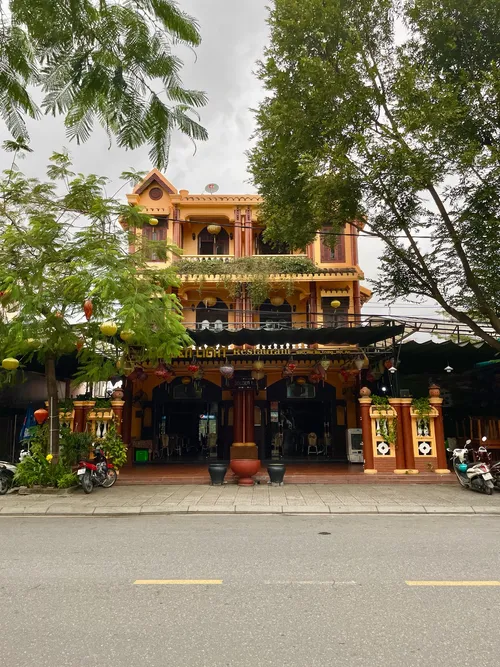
177,582
453,583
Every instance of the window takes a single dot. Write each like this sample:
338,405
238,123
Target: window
212,318
336,254
335,317
213,244
264,248
155,233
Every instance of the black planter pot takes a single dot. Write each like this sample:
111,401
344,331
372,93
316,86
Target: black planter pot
217,473
276,472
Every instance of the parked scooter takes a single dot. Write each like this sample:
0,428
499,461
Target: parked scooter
97,472
482,455
474,476
7,472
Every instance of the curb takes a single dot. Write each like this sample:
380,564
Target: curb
255,510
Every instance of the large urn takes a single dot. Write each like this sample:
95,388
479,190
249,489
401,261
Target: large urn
245,469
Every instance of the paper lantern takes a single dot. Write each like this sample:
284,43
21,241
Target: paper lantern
258,365
10,364
186,380
214,229
79,344
325,364
227,370
108,328
88,309
300,380
277,301
210,301
153,221
193,368
388,363
335,304
41,415
163,372
359,363
291,366
126,335
258,375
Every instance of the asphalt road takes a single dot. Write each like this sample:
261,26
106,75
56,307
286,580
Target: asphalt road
295,591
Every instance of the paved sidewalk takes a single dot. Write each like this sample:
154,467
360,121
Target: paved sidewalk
289,499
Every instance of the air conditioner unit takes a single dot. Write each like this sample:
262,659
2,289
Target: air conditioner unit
354,445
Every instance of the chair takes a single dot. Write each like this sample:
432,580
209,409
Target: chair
312,444
165,449
277,449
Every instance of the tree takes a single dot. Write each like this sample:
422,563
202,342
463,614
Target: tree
64,255
105,60
386,114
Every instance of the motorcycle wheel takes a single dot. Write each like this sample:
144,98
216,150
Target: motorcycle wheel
488,488
110,479
5,484
86,483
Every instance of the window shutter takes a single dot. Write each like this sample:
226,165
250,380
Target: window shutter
337,254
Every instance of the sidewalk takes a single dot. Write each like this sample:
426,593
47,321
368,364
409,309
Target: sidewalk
288,499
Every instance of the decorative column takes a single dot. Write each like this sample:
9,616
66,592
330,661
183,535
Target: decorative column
366,427
405,412
310,251
313,305
356,298
127,419
243,446
176,228
249,418
437,403
118,415
79,421
248,232
400,448
237,233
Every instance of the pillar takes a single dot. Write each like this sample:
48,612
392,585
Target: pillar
176,228
437,404
408,435
243,446
248,232
237,233
79,421
313,305
127,419
118,412
356,297
400,448
249,417
366,428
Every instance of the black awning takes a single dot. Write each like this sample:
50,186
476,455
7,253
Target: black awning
361,336
432,356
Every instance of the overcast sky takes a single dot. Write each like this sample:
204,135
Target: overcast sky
234,34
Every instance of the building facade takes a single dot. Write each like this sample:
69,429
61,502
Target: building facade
279,342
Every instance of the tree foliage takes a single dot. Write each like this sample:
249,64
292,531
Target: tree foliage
61,244
386,113
99,60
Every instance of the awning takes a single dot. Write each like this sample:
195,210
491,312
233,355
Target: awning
433,357
361,336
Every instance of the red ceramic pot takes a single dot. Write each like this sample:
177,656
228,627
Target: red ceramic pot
245,469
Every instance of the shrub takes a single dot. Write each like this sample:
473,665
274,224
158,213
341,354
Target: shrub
67,480
114,447
74,446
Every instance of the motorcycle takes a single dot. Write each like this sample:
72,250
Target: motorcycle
7,472
484,456
474,476
97,472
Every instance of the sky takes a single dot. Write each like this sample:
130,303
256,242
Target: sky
234,35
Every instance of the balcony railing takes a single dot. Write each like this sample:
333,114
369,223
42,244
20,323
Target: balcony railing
207,258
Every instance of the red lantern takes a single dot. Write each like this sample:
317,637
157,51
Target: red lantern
163,372
88,309
41,416
292,366
193,368
345,375
388,363
79,344
314,378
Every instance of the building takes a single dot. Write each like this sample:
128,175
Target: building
279,339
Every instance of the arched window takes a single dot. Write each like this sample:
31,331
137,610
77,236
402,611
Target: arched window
215,318
275,317
265,248
213,244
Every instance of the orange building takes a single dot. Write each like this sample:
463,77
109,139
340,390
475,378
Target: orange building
279,340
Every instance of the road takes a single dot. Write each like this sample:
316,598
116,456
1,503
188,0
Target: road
284,591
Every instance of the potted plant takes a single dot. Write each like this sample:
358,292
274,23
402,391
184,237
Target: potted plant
217,472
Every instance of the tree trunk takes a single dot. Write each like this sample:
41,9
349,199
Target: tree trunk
53,398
